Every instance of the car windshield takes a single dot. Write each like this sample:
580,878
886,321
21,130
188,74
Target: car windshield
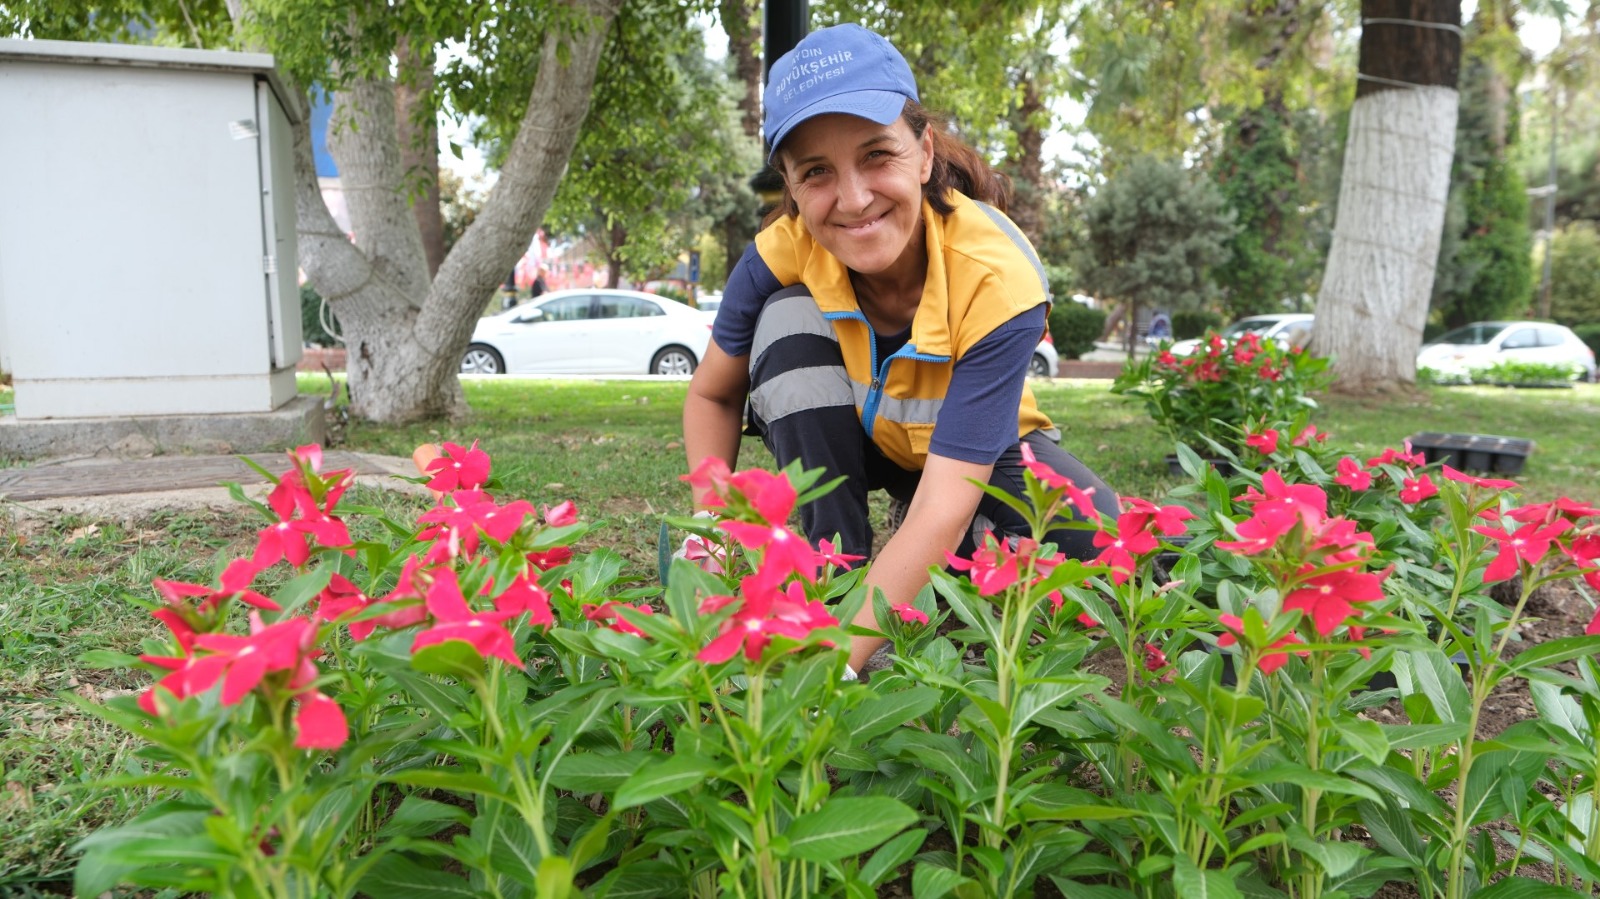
1471,335
1249,326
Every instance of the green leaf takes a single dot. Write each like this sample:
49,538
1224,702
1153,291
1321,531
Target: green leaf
1559,710
395,875
1305,777
847,826
1424,736
1365,737
1554,652
451,658
1038,696
420,818
1392,829
1440,681
672,775
598,772
882,714
1523,888
105,658
888,859
1190,882
453,779
929,881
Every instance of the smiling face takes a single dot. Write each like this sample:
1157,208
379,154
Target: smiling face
858,188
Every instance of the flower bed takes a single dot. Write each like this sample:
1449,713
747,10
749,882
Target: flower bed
470,705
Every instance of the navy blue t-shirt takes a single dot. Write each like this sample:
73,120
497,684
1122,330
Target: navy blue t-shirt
978,420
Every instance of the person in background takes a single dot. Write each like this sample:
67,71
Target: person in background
882,323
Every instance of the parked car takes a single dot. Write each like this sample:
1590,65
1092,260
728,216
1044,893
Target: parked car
590,331
1289,329
1482,344
708,302
1046,361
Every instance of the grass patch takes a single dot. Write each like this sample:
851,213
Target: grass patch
616,449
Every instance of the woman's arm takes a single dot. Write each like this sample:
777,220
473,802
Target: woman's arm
940,513
713,412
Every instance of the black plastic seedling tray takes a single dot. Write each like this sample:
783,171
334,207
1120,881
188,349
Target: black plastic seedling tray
1486,453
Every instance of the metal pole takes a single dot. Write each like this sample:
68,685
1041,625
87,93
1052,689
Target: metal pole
784,23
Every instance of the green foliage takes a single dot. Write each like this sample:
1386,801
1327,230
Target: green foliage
1274,253
1575,275
1522,373
660,131
1152,232
1191,323
1589,334
312,317
1074,328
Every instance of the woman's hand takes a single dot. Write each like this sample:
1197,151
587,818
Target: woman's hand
939,516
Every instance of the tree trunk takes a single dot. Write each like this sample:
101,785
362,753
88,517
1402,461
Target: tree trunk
418,133
741,21
404,337
1028,190
1375,290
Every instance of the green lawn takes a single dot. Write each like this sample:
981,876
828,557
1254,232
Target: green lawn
614,448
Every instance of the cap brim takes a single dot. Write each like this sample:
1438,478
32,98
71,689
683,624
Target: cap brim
882,107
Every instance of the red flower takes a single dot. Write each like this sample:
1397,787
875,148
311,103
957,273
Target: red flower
1450,474
1169,520
343,599
710,480
1154,658
459,468
319,723
561,515
606,614
764,612
1528,543
526,596
770,495
1328,598
780,546
828,554
236,579
242,662
1080,498
909,613
1415,490
1273,657
1309,434
454,620
1120,552
1391,456
1352,475
992,568
1262,530
1551,511
553,557
1266,441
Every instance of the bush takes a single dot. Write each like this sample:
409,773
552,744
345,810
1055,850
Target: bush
1189,325
311,319
1589,334
674,294
1512,373
1074,328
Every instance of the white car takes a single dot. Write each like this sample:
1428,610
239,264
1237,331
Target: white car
1045,362
590,331
1482,344
1289,329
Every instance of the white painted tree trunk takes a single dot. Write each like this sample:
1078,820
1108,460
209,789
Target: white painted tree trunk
405,336
1375,289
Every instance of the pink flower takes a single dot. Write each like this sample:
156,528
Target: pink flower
235,583
1120,552
1328,598
909,613
1309,434
1415,490
319,723
1390,456
1080,498
770,495
342,599
1352,475
779,545
606,614
561,515
454,620
526,596
709,480
764,612
553,557
1154,659
992,568
828,554
459,468
1169,520
1450,474
242,662
1266,441
1262,530
1528,543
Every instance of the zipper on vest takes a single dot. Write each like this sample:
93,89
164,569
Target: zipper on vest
869,409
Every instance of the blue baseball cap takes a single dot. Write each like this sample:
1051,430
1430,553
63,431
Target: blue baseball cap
843,68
